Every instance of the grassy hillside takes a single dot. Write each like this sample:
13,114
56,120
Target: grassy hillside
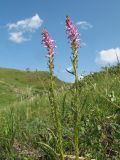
15,84
25,118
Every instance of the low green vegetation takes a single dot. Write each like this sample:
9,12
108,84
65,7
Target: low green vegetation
26,128
17,85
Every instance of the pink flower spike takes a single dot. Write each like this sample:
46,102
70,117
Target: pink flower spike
48,42
72,32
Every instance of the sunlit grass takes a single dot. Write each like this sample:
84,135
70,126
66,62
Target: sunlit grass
26,121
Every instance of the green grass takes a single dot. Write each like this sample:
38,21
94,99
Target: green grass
15,84
25,119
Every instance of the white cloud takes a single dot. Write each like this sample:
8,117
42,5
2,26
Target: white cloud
30,24
17,31
17,37
109,56
84,25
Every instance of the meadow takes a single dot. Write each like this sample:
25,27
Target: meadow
26,126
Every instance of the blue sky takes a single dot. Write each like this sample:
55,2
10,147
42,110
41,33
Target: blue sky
21,23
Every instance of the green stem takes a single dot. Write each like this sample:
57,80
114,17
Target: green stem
57,122
76,112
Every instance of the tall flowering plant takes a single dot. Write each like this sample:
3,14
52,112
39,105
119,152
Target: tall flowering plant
50,45
74,40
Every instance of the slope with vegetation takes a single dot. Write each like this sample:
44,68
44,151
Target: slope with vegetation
25,119
16,84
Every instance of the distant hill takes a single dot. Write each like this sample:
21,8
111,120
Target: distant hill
14,83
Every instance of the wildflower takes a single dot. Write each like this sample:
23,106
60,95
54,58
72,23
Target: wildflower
48,42
73,34
50,45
